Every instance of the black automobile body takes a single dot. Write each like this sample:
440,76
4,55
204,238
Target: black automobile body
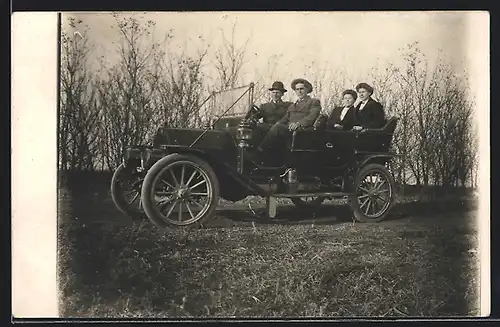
180,177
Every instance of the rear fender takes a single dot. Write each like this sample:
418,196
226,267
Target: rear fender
380,159
362,160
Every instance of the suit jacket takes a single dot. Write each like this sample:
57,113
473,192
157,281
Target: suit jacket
347,123
304,111
371,116
272,112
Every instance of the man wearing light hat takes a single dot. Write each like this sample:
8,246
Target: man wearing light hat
301,114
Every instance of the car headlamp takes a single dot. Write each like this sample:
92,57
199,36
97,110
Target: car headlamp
125,157
145,157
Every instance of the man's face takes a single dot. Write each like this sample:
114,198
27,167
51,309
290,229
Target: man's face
300,90
276,95
363,94
348,100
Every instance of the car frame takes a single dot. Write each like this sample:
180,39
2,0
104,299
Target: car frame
192,168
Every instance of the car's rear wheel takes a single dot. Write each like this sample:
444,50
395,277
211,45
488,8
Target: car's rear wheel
373,194
180,191
308,202
126,191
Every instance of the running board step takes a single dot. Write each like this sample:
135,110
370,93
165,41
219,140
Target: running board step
299,195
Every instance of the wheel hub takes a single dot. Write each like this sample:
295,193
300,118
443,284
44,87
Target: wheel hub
182,193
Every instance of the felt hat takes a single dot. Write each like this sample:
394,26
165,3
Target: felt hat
306,83
278,86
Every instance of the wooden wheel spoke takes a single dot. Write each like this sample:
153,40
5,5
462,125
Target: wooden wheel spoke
381,198
379,186
167,183
137,183
375,206
369,205
362,196
198,184
129,192
189,209
174,178
180,210
162,203
163,193
363,189
134,198
364,203
198,204
182,174
379,182
171,209
191,177
378,197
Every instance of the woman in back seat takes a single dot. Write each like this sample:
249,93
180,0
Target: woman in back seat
369,113
340,118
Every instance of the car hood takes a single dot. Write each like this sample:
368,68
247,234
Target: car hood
184,137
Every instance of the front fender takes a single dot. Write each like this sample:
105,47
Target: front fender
233,184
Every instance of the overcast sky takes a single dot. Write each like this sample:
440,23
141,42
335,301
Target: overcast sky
357,41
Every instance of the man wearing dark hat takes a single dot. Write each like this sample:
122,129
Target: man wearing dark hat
369,113
301,114
274,110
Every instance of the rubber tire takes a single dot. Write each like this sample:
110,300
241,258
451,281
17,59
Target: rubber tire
146,194
131,211
353,200
308,205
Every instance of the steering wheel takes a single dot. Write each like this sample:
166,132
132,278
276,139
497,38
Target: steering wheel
253,109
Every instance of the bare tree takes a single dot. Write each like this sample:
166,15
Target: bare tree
78,113
230,59
127,90
435,130
265,77
182,90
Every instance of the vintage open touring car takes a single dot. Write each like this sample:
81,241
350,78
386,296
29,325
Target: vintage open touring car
177,181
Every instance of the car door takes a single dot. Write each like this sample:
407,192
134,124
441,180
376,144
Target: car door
336,147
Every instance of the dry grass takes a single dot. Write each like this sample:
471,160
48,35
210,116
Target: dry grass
251,270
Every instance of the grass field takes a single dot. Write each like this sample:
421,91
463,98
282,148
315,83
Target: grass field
419,263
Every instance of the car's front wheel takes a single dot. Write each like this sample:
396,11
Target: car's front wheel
180,191
373,193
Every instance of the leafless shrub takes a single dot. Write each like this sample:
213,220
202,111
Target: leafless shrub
151,85
78,111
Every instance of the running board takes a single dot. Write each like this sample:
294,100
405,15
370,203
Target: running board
300,195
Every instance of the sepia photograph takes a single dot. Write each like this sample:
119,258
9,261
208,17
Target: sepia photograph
270,164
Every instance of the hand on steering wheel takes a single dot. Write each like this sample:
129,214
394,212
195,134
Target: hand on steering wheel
251,112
